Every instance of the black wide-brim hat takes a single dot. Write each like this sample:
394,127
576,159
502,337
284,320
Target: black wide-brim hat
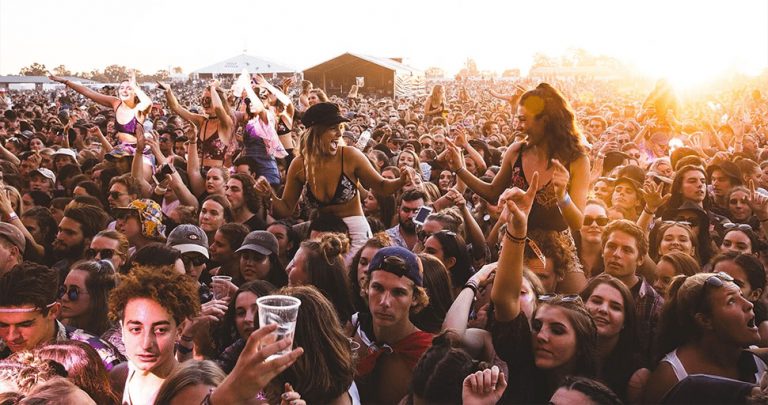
323,114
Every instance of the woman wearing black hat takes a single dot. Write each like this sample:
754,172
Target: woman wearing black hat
328,174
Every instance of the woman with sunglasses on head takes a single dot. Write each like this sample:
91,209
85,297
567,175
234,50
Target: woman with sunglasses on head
749,275
561,338
705,328
131,106
673,236
739,238
215,126
84,296
327,174
610,303
449,248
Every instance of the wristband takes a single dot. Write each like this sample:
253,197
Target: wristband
649,212
566,201
472,285
460,169
12,216
514,238
161,190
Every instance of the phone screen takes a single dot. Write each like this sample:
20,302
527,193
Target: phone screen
421,215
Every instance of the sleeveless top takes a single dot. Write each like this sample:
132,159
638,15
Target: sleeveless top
212,147
346,190
545,214
758,365
282,128
127,128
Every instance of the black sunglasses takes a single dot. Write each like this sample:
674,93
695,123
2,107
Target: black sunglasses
72,292
104,254
685,223
718,279
601,221
195,260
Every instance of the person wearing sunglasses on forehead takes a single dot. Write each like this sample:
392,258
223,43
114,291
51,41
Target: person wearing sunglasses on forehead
705,328
739,238
84,295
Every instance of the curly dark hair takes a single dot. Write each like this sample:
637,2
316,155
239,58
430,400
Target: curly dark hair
175,292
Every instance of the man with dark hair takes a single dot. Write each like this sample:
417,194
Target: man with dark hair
28,311
122,190
76,230
246,205
624,249
246,165
404,233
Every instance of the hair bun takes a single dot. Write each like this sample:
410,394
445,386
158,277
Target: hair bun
333,245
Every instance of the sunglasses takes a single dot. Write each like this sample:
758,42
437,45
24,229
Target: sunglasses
561,297
194,260
684,223
103,254
741,227
601,220
116,194
72,292
718,279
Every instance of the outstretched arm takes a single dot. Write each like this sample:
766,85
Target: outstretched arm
174,105
103,99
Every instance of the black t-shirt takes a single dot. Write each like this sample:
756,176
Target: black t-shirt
255,223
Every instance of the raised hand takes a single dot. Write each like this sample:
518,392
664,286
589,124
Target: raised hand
518,205
253,372
212,311
291,397
163,86
757,201
652,195
560,178
451,156
483,387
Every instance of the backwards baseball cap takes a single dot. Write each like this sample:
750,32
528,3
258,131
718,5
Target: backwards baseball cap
260,242
13,235
47,173
398,261
323,114
189,238
150,216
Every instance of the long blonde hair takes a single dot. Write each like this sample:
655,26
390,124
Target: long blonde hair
309,147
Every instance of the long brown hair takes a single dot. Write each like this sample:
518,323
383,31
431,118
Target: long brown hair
326,370
563,135
84,368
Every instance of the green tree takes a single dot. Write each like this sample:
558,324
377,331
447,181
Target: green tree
35,69
117,73
61,70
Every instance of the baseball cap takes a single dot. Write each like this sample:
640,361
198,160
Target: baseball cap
398,261
13,235
323,114
66,152
47,173
189,238
261,242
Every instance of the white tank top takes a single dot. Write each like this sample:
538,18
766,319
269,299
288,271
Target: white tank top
681,372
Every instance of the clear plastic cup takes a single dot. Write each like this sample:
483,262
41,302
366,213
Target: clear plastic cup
283,311
220,290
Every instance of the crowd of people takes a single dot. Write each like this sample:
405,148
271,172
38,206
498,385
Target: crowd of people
570,241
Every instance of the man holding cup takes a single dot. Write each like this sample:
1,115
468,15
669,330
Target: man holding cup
392,344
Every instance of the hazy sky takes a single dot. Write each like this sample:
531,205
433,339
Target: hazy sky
679,39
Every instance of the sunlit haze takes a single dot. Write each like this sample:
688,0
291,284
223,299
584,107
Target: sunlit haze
685,41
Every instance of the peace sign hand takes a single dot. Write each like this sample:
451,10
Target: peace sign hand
451,156
517,205
560,179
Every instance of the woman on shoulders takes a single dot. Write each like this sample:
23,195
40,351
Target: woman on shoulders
328,175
